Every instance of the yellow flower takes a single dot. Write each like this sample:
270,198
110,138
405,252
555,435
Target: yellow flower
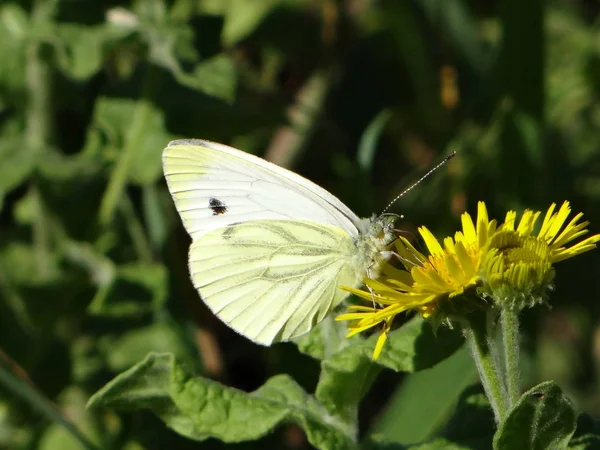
511,265
448,271
518,268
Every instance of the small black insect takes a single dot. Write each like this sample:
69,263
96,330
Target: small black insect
217,206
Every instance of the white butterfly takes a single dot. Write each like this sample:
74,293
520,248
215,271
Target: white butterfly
269,248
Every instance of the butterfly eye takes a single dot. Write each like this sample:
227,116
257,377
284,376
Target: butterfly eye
377,230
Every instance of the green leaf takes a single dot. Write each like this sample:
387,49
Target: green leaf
133,133
380,442
370,138
199,408
471,427
325,340
18,315
69,189
79,48
134,345
86,360
343,382
441,444
17,162
587,434
543,418
473,420
530,133
425,400
415,346
55,166
14,28
112,134
217,76
56,436
157,207
100,269
38,402
243,17
412,347
348,373
19,263
14,433
173,43
136,289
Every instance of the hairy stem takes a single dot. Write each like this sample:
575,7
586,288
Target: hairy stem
509,326
482,349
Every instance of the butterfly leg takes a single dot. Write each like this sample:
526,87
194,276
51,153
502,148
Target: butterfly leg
369,287
403,259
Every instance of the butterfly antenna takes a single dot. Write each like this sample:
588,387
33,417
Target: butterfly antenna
444,161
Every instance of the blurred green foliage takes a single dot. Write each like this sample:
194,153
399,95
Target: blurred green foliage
360,96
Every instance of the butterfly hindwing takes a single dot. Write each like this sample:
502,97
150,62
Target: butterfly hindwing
273,280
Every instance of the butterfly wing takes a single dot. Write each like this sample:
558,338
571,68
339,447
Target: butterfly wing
214,186
273,280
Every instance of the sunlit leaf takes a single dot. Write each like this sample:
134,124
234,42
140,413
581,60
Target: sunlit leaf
425,399
200,408
243,17
413,347
542,418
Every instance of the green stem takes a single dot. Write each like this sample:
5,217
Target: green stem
38,79
133,142
136,230
509,327
481,345
39,403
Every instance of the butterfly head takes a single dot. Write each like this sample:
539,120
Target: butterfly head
381,228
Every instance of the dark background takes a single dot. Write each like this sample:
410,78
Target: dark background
359,96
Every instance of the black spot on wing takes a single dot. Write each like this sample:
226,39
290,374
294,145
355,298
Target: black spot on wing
217,206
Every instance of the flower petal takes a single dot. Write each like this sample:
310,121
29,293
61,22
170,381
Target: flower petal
380,343
468,227
556,222
509,220
431,242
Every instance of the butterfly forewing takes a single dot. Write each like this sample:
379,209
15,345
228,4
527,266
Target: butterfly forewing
214,185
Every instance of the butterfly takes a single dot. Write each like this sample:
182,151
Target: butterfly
269,247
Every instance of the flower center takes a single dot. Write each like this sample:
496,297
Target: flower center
515,248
